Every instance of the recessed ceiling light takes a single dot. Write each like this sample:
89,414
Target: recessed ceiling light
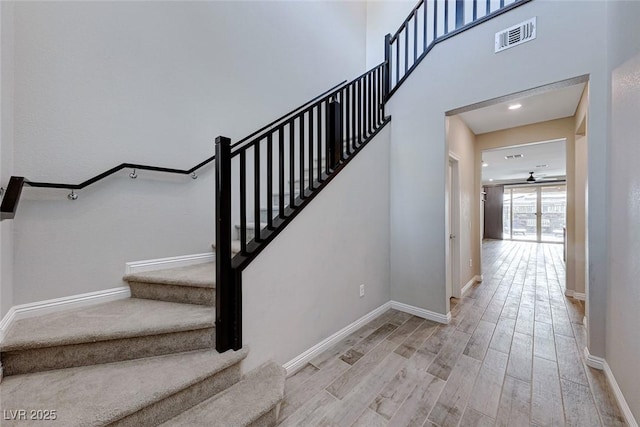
514,106
485,164
491,179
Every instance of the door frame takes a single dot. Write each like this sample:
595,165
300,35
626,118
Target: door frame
452,255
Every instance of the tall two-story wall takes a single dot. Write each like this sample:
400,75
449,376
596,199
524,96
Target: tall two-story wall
464,70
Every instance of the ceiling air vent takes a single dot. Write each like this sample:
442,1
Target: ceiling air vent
518,34
514,156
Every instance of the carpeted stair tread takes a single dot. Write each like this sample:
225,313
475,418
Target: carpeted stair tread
199,275
124,318
101,394
240,405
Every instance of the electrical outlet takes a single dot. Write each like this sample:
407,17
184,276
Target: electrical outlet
470,262
361,290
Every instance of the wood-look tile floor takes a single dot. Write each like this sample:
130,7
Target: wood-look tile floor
511,356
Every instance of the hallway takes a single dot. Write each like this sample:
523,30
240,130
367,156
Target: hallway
511,356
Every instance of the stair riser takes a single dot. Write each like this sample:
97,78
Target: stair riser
173,405
67,356
269,419
172,293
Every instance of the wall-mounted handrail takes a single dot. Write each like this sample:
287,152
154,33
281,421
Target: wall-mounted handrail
10,204
425,27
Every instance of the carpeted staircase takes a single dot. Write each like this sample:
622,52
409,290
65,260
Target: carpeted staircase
143,361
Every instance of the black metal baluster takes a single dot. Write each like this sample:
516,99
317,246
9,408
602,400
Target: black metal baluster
256,191
243,201
370,103
292,164
424,25
360,127
446,16
311,186
347,121
415,35
354,129
378,95
475,10
270,180
319,147
301,184
281,172
488,7
387,64
406,48
501,4
397,58
435,20
459,13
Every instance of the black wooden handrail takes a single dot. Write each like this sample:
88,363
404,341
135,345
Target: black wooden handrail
235,149
284,116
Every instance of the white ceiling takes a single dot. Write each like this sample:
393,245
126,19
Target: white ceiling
535,108
502,171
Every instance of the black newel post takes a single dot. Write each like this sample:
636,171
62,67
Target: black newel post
228,292
334,134
386,84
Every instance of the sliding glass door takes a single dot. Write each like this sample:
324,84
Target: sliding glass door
535,212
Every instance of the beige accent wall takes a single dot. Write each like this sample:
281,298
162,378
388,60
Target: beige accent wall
461,141
544,131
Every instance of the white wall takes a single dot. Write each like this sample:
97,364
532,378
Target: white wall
99,83
6,151
443,82
305,285
384,17
623,316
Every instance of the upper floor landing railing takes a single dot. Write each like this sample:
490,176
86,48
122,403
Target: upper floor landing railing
429,23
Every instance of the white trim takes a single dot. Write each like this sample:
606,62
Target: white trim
622,402
568,293
593,361
298,362
421,312
164,263
38,308
470,283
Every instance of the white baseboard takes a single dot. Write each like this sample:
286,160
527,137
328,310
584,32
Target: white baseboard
470,283
593,361
38,308
421,312
601,364
164,263
298,362
622,402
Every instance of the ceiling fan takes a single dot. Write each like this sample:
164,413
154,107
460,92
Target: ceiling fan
542,178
